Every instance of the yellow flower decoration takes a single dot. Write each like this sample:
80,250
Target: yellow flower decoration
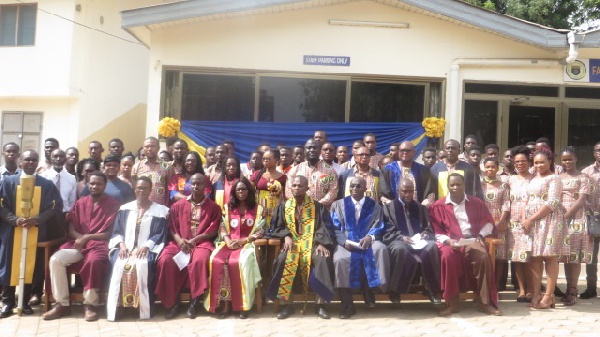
168,127
434,127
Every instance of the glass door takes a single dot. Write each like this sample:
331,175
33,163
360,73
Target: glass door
527,123
583,132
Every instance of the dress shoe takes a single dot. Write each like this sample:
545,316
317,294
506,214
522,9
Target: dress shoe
434,298
191,312
348,312
588,293
244,314
488,309
394,297
27,310
447,311
321,312
173,312
57,312
285,312
7,310
34,300
369,298
90,314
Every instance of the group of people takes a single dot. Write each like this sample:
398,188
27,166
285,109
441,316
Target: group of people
143,228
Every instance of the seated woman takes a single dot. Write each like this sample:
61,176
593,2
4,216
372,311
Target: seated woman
180,185
138,237
234,272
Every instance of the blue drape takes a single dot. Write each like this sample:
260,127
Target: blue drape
248,135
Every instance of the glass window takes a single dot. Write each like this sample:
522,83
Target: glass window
301,100
217,98
582,92
583,134
481,121
503,89
17,24
386,102
528,123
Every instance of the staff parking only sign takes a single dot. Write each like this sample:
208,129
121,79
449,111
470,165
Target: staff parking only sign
583,70
318,60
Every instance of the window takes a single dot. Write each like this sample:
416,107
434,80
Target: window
507,89
23,128
17,24
386,102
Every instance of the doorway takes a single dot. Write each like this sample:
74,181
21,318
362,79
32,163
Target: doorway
528,123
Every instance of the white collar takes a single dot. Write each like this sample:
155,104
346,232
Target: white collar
449,201
360,203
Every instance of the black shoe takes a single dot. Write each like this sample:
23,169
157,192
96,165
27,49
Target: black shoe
285,312
588,293
321,312
191,312
394,297
35,300
558,293
173,312
27,310
369,298
435,299
7,310
244,314
348,312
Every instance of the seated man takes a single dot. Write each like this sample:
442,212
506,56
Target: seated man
357,220
90,225
457,217
138,237
193,225
302,223
404,218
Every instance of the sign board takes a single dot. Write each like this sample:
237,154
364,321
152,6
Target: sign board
319,60
583,70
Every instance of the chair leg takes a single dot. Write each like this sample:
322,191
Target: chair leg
258,298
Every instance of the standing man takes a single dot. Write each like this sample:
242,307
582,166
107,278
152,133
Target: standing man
180,151
95,149
455,217
341,154
508,166
115,187
320,136
72,159
50,144
323,181
361,169
406,167
394,151
11,153
193,224
158,171
116,147
303,225
591,269
45,198
429,157
210,157
451,164
371,143
328,154
470,141
404,218
355,145
298,155
360,259
285,160
90,226
215,170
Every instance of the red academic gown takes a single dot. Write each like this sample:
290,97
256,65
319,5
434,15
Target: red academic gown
89,218
170,280
454,264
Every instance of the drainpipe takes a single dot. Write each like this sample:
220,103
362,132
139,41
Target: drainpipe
574,41
455,88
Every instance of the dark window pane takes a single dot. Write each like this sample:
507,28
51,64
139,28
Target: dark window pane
26,31
503,89
217,98
8,25
480,120
528,123
386,102
582,92
583,134
301,100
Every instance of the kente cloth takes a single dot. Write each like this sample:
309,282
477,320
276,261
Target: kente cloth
47,204
160,172
116,189
400,221
440,173
322,181
373,179
181,183
419,174
347,227
321,268
88,217
132,279
235,274
222,191
170,280
459,268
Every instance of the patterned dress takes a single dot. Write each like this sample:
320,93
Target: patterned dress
269,199
496,198
548,232
518,244
160,172
577,244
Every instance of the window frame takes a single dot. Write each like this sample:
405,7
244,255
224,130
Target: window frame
19,6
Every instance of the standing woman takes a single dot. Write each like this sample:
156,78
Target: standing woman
234,272
544,219
269,184
127,162
496,198
180,185
578,245
222,187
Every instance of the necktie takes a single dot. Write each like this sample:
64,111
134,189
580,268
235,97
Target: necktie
58,182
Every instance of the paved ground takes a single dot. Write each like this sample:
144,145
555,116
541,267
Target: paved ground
386,319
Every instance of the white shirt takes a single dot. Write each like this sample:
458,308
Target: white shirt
460,213
68,186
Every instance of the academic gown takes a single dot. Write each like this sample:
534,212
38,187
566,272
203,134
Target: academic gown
320,280
404,259
49,203
439,173
373,260
392,173
152,234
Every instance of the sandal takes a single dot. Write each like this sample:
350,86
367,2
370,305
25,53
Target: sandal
571,296
552,303
224,310
535,300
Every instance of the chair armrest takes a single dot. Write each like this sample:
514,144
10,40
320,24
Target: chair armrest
493,241
51,243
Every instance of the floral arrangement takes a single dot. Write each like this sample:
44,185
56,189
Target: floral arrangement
274,187
434,127
168,127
